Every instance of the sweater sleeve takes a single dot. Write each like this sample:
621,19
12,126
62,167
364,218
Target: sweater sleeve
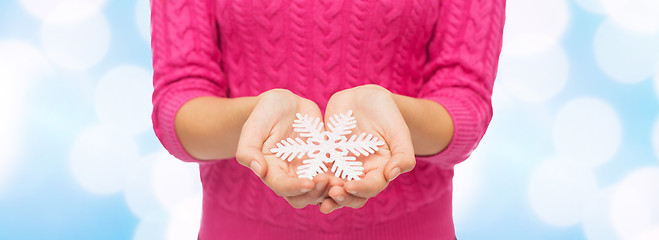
463,55
186,63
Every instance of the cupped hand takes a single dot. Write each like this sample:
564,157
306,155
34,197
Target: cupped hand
376,113
271,121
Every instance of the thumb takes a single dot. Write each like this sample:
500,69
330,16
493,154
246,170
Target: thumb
402,156
248,152
400,162
252,158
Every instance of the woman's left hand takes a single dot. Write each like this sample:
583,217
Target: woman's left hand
376,113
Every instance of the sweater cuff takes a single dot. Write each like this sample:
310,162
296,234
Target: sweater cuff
166,118
467,132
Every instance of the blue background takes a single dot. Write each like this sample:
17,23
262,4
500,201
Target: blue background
500,191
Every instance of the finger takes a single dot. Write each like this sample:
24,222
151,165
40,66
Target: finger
328,205
402,153
249,151
400,162
285,185
334,180
341,197
369,186
315,196
252,158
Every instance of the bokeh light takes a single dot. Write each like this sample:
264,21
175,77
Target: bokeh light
76,46
536,78
186,219
62,11
634,208
594,6
587,131
636,15
625,56
596,223
174,181
143,18
534,26
572,151
466,183
558,191
22,63
125,109
139,194
100,158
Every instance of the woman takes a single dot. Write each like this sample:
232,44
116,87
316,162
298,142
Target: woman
230,76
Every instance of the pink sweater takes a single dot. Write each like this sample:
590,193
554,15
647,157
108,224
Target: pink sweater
444,50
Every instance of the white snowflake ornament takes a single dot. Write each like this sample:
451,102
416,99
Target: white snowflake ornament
327,146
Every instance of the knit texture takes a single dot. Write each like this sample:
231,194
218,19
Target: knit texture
443,50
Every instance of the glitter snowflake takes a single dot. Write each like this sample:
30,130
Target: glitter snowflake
327,146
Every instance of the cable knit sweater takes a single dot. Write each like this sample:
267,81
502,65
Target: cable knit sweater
443,50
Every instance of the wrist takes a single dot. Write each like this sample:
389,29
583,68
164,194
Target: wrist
430,124
209,127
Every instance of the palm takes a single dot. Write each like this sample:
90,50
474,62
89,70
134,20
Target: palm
373,163
282,129
376,113
269,122
374,116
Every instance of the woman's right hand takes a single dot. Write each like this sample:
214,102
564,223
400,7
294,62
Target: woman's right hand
270,122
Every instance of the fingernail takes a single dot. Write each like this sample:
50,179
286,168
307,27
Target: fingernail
353,192
320,186
394,173
340,198
256,167
305,190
